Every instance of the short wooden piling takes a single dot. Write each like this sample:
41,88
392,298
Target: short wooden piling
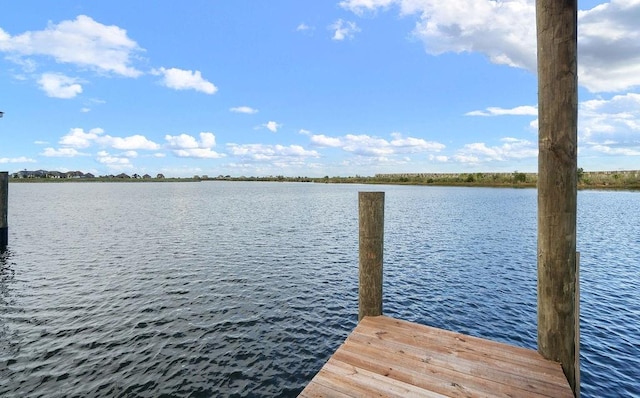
4,208
556,23
371,237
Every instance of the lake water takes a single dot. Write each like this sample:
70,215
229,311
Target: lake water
245,289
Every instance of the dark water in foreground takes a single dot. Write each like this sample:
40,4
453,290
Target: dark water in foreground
245,289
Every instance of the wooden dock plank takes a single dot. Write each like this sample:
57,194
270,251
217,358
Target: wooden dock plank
503,351
388,357
459,352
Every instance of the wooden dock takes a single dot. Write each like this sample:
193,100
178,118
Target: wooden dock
387,357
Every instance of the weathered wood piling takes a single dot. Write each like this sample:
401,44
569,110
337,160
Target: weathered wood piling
4,208
371,244
558,317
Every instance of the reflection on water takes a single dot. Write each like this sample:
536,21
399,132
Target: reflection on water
245,289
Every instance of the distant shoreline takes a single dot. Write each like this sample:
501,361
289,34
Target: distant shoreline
621,180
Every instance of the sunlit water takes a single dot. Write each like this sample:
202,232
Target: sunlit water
245,289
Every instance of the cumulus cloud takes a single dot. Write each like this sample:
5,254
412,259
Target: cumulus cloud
187,146
302,27
113,161
502,30
61,152
78,138
82,41
272,126
512,148
610,126
525,110
271,153
366,145
505,31
439,158
128,143
343,29
56,85
243,109
322,140
609,46
612,150
603,118
179,79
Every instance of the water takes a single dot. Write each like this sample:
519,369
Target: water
245,289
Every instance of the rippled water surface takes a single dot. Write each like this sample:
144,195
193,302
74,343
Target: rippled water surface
245,289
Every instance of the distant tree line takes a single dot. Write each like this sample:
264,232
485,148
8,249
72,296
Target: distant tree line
585,179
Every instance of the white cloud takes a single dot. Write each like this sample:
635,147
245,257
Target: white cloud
525,110
610,126
343,29
78,138
439,158
322,140
359,6
413,145
180,79
187,146
366,145
271,153
609,46
243,109
611,150
112,161
82,41
272,126
56,85
21,159
502,30
512,148
61,152
198,153
128,143
505,31
303,27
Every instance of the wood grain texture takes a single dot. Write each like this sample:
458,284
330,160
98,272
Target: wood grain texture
371,248
387,357
556,23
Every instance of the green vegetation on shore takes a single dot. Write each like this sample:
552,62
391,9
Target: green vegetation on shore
586,180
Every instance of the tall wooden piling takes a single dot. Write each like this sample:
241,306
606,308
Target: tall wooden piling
4,208
557,177
371,237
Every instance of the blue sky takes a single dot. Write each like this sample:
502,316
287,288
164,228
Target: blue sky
313,88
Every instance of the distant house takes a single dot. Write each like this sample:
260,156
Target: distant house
160,175
146,176
75,174
55,174
89,175
122,175
21,174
